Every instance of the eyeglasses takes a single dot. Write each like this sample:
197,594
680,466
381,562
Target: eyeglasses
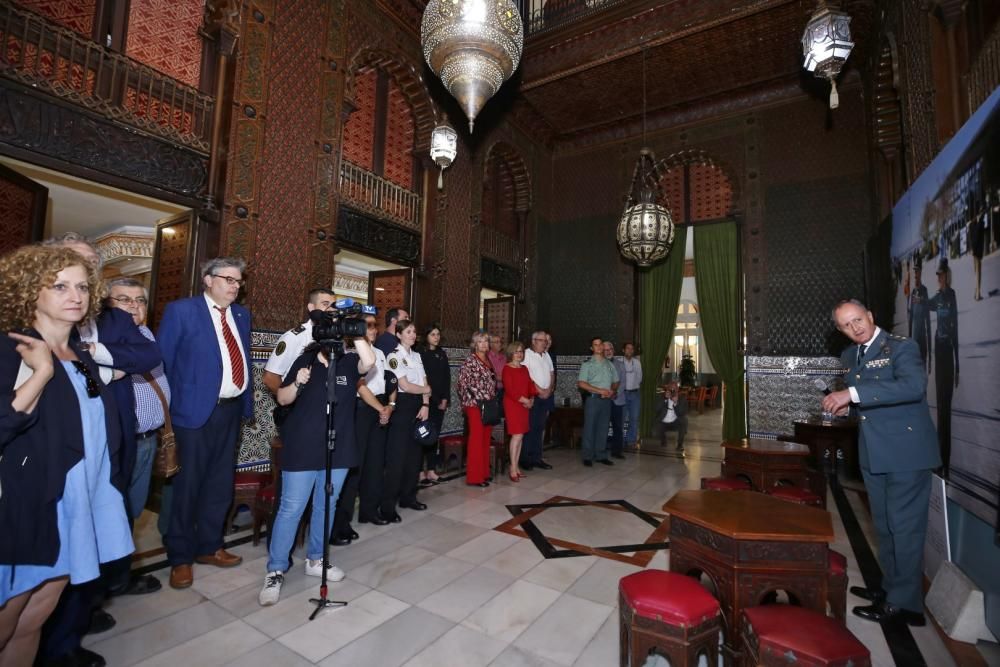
128,301
229,280
93,387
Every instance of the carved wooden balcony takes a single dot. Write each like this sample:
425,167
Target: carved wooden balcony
379,197
542,15
46,57
500,247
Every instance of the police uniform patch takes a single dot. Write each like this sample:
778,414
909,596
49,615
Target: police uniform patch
393,363
280,348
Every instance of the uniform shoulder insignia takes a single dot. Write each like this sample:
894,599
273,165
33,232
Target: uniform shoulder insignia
299,329
896,337
280,348
393,363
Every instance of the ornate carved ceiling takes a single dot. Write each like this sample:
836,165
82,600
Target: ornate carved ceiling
584,78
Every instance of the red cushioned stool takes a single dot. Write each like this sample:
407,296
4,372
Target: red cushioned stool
778,635
668,614
452,445
836,575
725,484
795,494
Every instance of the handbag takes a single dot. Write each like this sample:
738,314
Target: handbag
489,411
166,463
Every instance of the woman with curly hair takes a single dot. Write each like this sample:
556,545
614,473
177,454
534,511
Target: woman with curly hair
59,436
477,382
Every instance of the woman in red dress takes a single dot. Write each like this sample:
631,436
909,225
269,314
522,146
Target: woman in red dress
518,396
477,382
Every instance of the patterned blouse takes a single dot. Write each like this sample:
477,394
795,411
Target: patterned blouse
476,382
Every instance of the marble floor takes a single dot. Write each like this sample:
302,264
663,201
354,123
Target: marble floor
444,587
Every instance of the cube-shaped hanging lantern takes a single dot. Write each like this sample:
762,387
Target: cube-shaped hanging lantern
826,42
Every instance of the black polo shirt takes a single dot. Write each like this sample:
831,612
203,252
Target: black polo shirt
304,432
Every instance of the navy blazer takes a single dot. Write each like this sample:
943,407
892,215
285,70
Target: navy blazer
36,452
896,431
131,352
193,361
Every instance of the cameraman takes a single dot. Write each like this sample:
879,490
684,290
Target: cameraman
304,455
672,415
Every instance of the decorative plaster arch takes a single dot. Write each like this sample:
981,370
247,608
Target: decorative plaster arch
699,156
410,82
519,172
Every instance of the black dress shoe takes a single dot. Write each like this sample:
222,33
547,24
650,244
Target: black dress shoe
543,465
375,521
415,505
873,594
353,533
481,485
340,540
607,462
81,657
527,466
392,518
880,612
589,464
618,456
100,621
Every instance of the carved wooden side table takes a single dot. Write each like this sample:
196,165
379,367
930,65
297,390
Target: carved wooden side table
766,462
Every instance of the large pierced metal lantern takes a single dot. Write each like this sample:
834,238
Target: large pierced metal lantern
444,148
826,44
474,46
646,229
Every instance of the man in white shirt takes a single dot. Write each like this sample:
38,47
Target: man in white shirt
631,382
672,416
293,341
542,372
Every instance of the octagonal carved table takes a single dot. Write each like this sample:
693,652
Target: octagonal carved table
749,545
766,462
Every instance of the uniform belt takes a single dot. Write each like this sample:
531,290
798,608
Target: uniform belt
631,391
223,401
147,434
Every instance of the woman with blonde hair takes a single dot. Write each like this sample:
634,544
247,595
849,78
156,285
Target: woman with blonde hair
519,396
59,441
476,383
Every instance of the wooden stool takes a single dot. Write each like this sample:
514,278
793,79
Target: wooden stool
245,488
795,494
837,585
499,456
452,445
668,614
725,484
777,635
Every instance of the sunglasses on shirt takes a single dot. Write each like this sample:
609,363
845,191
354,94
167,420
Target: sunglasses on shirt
93,387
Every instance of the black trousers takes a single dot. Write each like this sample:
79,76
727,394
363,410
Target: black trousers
680,425
365,420
373,471
203,489
402,455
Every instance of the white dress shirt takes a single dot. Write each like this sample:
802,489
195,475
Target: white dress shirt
228,389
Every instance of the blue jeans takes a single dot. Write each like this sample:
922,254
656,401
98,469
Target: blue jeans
296,487
632,403
138,486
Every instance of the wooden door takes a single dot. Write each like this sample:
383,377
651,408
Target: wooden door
498,317
175,266
23,204
392,288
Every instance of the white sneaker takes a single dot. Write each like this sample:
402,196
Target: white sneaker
314,568
272,589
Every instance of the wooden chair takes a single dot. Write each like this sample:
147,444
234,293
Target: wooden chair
713,395
452,446
700,394
667,614
778,635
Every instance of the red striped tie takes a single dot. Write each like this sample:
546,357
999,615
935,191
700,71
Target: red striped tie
235,358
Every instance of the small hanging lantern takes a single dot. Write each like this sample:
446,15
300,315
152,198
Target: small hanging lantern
473,46
826,44
444,148
646,229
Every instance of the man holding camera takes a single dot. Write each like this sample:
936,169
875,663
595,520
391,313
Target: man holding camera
672,415
205,342
293,341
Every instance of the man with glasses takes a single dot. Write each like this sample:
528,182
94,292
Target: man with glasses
293,341
205,341
542,373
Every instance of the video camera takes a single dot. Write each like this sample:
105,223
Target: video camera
342,319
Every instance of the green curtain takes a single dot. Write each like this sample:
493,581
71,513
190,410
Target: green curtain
716,275
659,294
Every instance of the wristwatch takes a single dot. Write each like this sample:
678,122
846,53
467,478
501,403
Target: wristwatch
392,404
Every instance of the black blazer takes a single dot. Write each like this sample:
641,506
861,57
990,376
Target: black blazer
36,452
438,374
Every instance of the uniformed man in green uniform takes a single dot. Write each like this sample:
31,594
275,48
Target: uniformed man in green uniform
887,387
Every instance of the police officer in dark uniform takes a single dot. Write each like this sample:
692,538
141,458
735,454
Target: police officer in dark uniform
402,456
887,388
945,306
920,315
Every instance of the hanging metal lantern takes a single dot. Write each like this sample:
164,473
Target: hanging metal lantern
444,148
473,46
826,44
646,229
